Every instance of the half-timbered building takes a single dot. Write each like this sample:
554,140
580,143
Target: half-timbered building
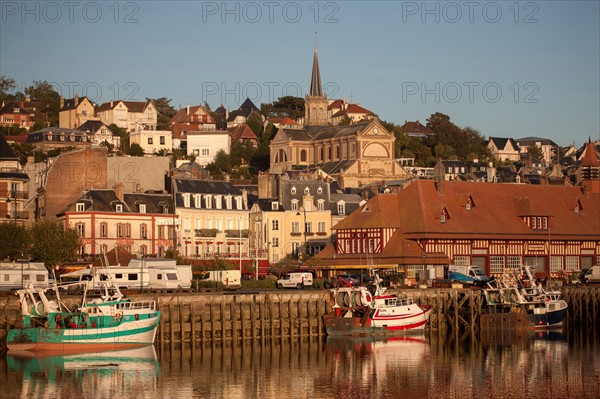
500,227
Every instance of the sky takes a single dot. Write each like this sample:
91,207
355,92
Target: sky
506,68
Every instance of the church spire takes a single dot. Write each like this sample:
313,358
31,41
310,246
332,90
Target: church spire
315,80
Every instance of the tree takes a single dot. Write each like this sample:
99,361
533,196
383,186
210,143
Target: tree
221,163
255,123
14,241
52,243
287,106
135,150
110,147
7,85
48,97
345,121
535,152
165,112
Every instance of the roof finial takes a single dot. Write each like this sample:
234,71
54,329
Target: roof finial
315,40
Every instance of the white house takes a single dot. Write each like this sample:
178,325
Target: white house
206,144
152,141
130,115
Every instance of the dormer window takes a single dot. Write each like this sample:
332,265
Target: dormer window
468,206
341,207
321,205
119,207
538,222
186,200
274,206
443,218
80,207
293,190
197,201
577,208
306,191
142,208
208,201
218,201
294,205
320,190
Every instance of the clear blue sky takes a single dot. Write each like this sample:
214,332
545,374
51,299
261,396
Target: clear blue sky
508,69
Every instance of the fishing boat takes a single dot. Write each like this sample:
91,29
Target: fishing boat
108,322
523,294
358,312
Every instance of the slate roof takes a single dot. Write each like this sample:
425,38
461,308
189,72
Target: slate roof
9,108
39,136
69,103
314,133
352,202
497,212
92,126
527,141
105,201
132,106
182,115
6,152
241,132
500,143
244,110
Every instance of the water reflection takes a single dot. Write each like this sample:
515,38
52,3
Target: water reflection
525,365
97,375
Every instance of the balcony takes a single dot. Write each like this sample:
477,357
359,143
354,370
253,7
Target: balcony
14,194
17,215
206,232
296,234
236,233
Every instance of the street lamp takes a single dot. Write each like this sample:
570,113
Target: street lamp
257,221
240,243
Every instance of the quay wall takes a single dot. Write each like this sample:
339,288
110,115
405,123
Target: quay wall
282,315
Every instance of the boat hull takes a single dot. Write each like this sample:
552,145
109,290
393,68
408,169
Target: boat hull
126,335
374,325
549,319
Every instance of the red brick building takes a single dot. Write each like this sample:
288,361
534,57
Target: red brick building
496,226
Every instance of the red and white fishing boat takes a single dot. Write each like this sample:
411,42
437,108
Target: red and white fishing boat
358,312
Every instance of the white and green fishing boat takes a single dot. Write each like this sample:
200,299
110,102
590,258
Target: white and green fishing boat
108,322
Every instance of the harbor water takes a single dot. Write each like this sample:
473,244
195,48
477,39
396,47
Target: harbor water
529,365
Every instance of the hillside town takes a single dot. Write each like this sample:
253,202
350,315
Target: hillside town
327,187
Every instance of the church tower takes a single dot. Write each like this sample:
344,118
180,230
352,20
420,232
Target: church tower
315,103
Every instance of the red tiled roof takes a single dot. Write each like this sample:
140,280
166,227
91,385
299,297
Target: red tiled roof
498,211
241,132
591,157
184,116
417,128
282,121
335,104
353,109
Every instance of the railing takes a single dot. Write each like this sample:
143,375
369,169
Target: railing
236,233
206,232
15,194
17,215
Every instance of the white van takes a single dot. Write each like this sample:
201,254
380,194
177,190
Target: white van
591,275
296,280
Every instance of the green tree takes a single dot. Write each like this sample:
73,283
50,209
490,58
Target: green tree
7,85
52,243
110,147
221,163
135,150
14,241
48,97
165,112
535,152
255,123
345,121
287,106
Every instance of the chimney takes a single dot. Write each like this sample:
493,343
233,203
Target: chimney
245,198
120,191
111,103
187,112
76,100
62,102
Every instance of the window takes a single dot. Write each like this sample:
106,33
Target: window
308,227
294,205
142,208
143,250
320,190
197,202
462,260
341,206
208,201
293,190
119,207
321,227
274,206
119,230
295,227
81,229
496,264
302,155
80,207
275,224
218,201
295,247
127,228
143,231
321,205
186,200
513,262
149,140
572,263
103,230
556,263
306,190
205,152
275,242
162,140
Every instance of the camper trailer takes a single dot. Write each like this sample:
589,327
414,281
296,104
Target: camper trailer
184,271
231,279
17,275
